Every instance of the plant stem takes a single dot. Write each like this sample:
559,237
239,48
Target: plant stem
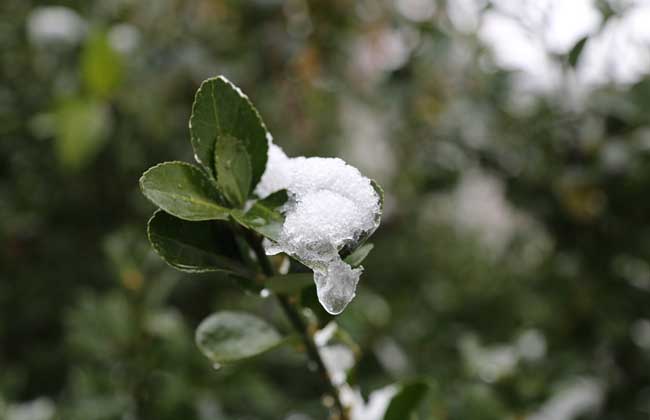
298,323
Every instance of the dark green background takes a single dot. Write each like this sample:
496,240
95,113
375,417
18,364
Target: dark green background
93,321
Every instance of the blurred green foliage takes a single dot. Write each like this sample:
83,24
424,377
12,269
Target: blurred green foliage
502,299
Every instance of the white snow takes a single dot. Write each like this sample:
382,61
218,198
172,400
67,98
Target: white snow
365,141
640,332
276,175
480,206
379,52
531,345
124,38
55,24
582,396
392,358
491,363
325,334
232,85
524,36
374,409
465,15
338,358
41,408
330,205
416,10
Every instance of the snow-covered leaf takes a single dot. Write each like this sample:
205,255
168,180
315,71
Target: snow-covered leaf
380,192
264,215
332,209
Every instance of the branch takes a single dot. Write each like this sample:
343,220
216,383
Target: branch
298,323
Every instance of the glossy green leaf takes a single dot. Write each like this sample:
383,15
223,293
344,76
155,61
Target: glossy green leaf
194,246
221,109
290,283
356,258
82,128
183,190
101,65
231,336
264,216
406,401
234,168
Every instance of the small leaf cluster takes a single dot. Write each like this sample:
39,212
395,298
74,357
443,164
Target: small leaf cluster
202,224
193,230
210,220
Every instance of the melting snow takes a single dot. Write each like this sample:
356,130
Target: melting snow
374,409
331,205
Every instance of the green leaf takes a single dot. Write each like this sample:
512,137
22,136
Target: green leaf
82,128
290,283
231,336
183,190
233,165
576,51
275,200
264,216
356,258
221,109
406,401
101,65
194,247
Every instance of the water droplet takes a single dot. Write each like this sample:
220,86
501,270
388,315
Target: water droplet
216,366
312,366
264,293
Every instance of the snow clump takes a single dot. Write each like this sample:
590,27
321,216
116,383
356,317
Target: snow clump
331,206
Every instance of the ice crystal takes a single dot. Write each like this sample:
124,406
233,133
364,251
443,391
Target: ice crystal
331,206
